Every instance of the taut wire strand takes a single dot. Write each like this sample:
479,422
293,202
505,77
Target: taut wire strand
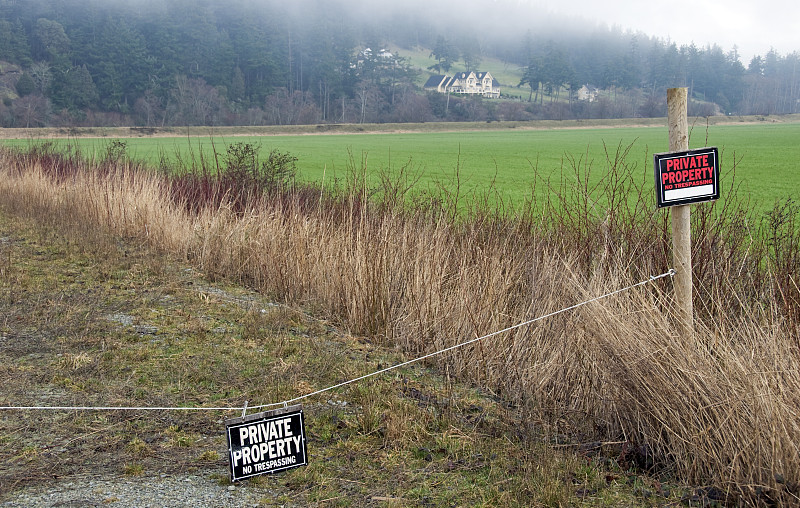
285,403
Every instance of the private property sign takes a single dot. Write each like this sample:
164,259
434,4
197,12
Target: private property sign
687,177
266,442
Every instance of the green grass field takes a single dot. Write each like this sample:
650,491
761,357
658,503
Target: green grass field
766,155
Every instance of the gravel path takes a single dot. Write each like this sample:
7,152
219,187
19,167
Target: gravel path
166,491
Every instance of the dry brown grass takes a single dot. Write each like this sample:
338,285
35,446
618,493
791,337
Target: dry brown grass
720,410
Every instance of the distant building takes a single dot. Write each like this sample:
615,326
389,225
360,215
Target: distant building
587,93
383,54
467,83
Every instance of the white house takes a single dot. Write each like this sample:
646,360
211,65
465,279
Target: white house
383,54
467,83
587,93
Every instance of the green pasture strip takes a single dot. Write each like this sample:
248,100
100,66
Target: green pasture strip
502,161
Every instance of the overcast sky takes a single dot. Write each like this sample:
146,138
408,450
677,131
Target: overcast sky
752,25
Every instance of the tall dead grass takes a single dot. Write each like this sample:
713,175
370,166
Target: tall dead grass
720,410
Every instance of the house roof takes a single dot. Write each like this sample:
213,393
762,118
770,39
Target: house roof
478,74
434,81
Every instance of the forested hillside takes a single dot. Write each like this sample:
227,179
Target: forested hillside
188,62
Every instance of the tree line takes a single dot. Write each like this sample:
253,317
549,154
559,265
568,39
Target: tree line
187,62
642,68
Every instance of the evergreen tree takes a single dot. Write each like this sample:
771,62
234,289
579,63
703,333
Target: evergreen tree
471,52
14,43
51,41
445,53
533,76
25,85
119,65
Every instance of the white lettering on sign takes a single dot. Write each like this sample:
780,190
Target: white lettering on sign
266,443
267,431
687,177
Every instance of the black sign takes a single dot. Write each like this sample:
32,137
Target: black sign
687,177
266,442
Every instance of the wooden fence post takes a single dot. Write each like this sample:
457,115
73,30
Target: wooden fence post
681,216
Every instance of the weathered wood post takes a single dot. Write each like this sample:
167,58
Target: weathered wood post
681,216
